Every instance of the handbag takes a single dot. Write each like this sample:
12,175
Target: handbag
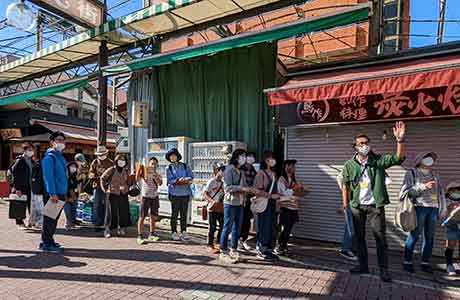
258,203
217,206
405,214
134,190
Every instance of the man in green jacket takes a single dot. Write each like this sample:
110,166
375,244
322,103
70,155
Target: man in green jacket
364,190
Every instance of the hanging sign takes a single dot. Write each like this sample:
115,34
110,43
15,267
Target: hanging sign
10,133
87,13
416,104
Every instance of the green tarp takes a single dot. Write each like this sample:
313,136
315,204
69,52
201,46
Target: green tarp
46,91
325,22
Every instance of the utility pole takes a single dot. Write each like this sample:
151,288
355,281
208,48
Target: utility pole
441,18
102,89
39,32
376,28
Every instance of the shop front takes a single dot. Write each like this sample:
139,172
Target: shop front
322,112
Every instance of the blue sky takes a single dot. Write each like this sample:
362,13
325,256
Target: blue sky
419,9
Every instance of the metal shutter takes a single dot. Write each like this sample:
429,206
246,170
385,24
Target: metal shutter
318,148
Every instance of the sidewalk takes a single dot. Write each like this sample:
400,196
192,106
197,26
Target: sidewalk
96,268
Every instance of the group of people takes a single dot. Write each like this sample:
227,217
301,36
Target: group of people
364,197
236,194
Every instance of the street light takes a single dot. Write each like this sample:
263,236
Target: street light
20,16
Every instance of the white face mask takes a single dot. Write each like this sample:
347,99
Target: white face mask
29,153
121,163
103,157
241,160
72,169
271,163
250,160
454,196
364,150
60,147
428,161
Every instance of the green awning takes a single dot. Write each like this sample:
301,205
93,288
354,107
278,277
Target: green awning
338,18
46,91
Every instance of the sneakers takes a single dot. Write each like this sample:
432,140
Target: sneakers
408,267
267,256
226,258
426,268
244,246
213,250
385,276
234,255
51,249
57,245
121,232
153,238
184,237
175,236
141,241
359,270
68,227
107,234
281,251
451,270
348,255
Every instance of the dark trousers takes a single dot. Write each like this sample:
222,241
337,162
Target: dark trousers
246,225
265,227
179,206
216,223
49,224
378,225
99,200
287,219
117,212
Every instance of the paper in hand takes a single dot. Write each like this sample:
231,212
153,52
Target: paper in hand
52,209
454,217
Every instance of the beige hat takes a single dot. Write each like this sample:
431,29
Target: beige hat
101,150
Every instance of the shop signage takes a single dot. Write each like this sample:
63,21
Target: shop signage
10,133
88,13
416,104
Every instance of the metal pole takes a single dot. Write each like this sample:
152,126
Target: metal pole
375,28
39,32
80,103
114,100
441,18
102,89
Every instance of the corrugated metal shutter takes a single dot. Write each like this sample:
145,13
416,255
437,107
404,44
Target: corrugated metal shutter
319,150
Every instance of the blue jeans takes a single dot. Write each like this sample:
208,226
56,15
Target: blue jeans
265,227
70,211
347,241
427,218
233,217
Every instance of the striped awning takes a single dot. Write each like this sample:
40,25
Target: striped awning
169,16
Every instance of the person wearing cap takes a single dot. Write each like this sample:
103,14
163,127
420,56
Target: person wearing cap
452,227
214,195
97,168
55,179
423,186
179,178
288,203
22,185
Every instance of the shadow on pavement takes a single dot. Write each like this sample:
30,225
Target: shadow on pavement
38,261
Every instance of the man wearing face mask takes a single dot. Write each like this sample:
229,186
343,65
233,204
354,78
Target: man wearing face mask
364,190
55,178
22,182
98,167
423,187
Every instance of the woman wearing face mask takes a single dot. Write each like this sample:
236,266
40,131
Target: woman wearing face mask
235,189
266,183
452,227
70,207
250,174
115,183
423,187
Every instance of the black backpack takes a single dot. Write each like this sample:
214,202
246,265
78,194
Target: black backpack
38,184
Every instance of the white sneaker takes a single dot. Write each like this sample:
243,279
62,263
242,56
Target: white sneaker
246,246
225,258
184,237
451,270
175,236
234,255
107,234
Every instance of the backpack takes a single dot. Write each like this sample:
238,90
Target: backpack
38,184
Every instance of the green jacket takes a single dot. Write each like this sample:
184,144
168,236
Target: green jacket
376,166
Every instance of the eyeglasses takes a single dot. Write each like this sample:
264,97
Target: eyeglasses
363,143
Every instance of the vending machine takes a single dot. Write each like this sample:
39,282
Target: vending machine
203,158
158,147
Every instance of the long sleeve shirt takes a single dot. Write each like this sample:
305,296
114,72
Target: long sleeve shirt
173,173
234,180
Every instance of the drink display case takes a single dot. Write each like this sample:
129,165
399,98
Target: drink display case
158,147
203,156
